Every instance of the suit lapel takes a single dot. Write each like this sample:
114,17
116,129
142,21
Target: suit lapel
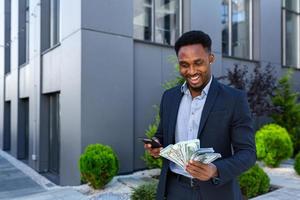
210,100
173,116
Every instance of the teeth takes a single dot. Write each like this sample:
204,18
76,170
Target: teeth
194,78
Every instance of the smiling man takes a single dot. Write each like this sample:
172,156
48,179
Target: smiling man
214,113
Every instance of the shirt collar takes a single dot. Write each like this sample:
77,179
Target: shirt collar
185,90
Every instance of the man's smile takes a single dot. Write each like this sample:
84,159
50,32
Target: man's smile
194,79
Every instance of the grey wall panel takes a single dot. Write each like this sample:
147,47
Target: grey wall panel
206,16
256,30
2,66
25,81
14,112
112,16
107,94
296,81
70,17
228,63
12,81
51,73
216,66
270,32
151,70
8,87
70,113
168,62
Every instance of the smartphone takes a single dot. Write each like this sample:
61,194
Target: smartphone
153,143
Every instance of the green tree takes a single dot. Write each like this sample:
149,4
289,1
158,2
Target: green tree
288,114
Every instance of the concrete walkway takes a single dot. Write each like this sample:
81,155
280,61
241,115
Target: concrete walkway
20,182
286,178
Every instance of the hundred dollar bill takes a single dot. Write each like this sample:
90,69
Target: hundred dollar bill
181,152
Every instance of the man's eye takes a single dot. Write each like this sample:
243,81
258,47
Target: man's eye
184,65
198,63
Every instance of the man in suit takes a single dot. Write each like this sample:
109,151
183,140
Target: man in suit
214,113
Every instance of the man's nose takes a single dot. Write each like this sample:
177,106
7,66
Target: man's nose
192,70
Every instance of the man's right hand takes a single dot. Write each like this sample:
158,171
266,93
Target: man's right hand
152,151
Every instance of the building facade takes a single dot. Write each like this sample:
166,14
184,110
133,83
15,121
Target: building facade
78,72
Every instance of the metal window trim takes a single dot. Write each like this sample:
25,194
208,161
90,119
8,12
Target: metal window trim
250,29
27,29
180,16
230,27
283,37
153,38
298,43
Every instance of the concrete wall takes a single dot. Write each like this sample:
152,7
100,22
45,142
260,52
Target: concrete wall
108,78
151,69
70,90
12,87
2,67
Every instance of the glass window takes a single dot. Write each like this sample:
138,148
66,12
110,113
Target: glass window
7,36
240,28
293,5
292,37
143,19
225,27
236,21
23,31
157,20
291,33
50,23
27,30
54,22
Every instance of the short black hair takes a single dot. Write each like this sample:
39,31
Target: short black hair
193,37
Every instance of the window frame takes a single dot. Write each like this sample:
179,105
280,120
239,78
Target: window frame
153,25
284,11
250,28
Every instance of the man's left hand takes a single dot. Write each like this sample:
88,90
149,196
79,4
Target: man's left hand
201,171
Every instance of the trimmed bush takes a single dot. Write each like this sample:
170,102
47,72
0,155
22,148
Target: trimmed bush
273,144
98,165
254,182
297,163
145,192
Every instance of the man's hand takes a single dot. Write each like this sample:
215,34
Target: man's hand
201,171
152,151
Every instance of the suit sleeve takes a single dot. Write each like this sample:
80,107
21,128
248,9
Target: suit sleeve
243,143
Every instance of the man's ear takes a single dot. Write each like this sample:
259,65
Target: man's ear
211,58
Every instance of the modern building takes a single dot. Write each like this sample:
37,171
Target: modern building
77,72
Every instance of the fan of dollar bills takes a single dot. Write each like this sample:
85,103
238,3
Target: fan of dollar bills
182,152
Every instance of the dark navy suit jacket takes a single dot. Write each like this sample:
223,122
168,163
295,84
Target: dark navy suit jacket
226,125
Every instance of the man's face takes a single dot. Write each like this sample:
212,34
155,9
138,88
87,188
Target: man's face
194,65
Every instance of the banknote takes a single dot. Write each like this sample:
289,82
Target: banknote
182,152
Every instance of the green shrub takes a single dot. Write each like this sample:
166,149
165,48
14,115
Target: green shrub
145,192
254,182
150,161
297,163
273,144
288,116
98,165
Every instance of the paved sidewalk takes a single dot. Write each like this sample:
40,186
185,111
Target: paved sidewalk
14,183
19,182
286,178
